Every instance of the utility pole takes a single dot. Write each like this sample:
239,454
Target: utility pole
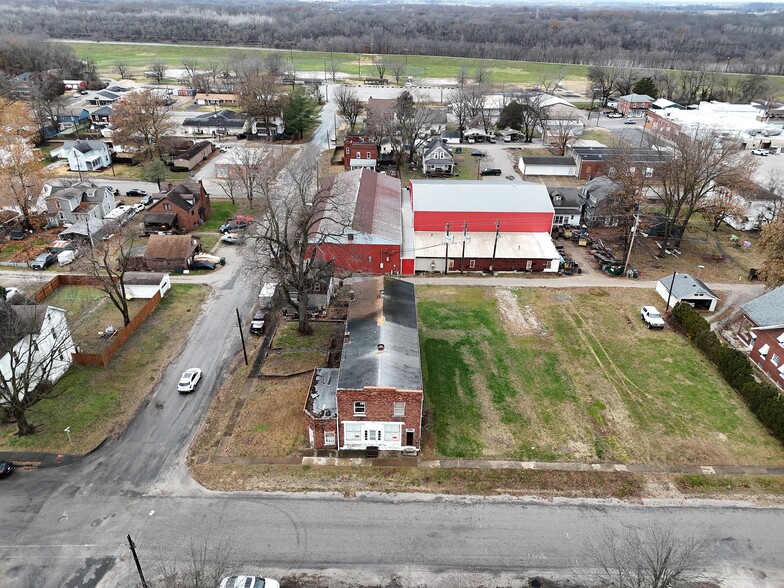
465,238
242,337
136,559
495,244
669,294
631,244
446,253
359,65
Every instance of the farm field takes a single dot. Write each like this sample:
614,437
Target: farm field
573,375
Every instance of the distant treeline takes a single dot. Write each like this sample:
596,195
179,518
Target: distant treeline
736,42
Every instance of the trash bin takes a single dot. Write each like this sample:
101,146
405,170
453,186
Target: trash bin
635,274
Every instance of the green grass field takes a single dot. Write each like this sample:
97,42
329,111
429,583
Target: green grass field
574,375
221,210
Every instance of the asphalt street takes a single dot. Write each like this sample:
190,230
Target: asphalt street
66,526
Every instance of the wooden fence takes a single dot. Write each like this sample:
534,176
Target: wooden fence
119,339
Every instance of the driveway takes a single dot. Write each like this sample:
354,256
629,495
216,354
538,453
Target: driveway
503,156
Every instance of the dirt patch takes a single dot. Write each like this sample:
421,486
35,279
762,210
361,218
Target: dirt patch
519,322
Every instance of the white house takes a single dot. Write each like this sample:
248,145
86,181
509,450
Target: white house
437,159
85,155
38,347
146,284
686,288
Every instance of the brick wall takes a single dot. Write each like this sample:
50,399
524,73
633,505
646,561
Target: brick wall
379,406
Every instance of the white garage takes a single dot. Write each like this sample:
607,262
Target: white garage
146,284
686,288
547,166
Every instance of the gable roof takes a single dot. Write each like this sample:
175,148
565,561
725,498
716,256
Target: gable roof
194,150
18,321
686,286
389,319
488,195
102,111
222,118
143,278
379,108
185,195
636,98
766,310
433,146
598,188
569,198
176,247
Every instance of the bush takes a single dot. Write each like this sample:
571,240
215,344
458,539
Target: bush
763,400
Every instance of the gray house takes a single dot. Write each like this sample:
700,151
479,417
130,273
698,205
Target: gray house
223,122
567,206
595,198
78,202
437,159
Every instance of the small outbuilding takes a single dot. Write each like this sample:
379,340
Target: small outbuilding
146,284
686,288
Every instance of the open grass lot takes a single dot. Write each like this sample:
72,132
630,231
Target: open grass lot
221,210
11,249
573,375
121,171
98,402
89,311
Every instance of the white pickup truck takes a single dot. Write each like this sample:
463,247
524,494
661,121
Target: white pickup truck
652,317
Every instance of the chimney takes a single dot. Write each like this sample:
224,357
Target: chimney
347,338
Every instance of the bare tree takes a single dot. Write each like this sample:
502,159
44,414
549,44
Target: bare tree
380,62
261,99
35,348
274,64
191,67
246,170
550,80
333,67
142,123
301,209
22,173
648,557
775,185
157,71
692,168
462,75
603,82
723,204
207,565
561,131
523,114
123,69
625,80
482,73
462,103
398,69
349,105
771,242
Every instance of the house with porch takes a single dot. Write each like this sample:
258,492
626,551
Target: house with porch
78,202
373,401
567,206
85,155
221,123
437,159
101,116
181,208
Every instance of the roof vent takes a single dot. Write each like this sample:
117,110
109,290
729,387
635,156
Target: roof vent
347,338
380,347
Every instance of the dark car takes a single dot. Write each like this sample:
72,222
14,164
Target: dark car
6,467
17,234
258,323
202,265
478,153
135,192
490,171
43,261
233,226
146,200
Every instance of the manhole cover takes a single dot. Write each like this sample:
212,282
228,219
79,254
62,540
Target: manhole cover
95,523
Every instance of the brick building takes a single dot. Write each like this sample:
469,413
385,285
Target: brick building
767,352
593,162
360,151
181,208
374,399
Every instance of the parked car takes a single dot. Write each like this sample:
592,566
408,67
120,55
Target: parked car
135,192
10,292
630,121
201,265
248,582
490,171
478,153
242,136
614,115
233,225
232,238
138,207
188,380
43,261
652,317
211,258
6,467
763,152
146,200
258,323
17,234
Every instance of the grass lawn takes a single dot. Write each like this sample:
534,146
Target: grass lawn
221,210
98,402
12,248
89,311
121,171
573,375
288,338
208,241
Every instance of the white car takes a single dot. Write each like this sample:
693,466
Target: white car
248,582
211,258
762,152
188,380
614,115
652,317
138,207
232,238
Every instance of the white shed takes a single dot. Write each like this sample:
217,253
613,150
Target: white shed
686,288
146,284
548,166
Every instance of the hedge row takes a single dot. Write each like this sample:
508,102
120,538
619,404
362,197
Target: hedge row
763,399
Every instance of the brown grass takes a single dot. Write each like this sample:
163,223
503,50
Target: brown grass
288,364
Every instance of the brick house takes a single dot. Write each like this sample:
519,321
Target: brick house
359,151
634,105
374,399
182,208
592,162
767,352
170,253
765,311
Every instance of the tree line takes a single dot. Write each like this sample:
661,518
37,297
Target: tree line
724,41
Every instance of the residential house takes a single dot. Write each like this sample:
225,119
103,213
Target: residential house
22,86
437,159
360,151
273,128
596,197
435,119
567,206
117,89
101,116
767,352
103,98
478,127
182,208
763,312
223,122
450,137
146,284
674,288
68,204
373,401
371,242
170,253
547,166
634,105
38,347
85,155
755,206
487,225
592,162
86,231
193,156
205,99
379,113
69,118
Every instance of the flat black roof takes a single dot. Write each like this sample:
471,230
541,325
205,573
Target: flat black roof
554,160
610,153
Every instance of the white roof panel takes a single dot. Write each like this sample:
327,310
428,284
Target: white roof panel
488,195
